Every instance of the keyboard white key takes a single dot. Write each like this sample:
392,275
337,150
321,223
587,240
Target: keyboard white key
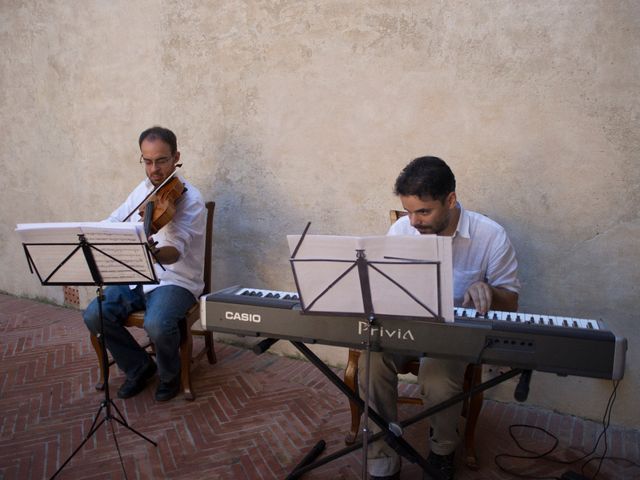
529,318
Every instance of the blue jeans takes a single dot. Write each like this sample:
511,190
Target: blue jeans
164,307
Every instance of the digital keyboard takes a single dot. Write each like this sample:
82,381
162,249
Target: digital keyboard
561,345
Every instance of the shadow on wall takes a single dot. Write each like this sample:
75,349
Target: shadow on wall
254,214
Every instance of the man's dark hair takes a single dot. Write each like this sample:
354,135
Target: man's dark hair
160,133
426,177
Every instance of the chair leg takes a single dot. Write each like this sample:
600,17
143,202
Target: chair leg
351,379
186,350
211,352
98,349
473,377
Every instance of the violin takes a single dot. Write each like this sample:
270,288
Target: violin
160,207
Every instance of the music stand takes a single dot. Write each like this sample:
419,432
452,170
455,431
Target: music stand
362,277
118,257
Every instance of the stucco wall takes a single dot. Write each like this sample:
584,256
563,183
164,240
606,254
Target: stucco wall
289,111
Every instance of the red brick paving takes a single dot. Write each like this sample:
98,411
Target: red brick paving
254,417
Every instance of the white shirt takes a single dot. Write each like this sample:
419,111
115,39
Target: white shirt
185,232
481,251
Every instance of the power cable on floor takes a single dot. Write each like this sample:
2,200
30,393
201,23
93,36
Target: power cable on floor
606,420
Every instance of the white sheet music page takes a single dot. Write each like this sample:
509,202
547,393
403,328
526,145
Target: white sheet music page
122,242
408,275
116,247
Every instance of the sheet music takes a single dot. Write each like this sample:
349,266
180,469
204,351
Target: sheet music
118,250
133,255
391,258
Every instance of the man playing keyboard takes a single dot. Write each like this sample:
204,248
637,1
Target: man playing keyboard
484,278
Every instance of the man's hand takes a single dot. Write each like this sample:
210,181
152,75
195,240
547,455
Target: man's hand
165,255
483,297
479,296
153,245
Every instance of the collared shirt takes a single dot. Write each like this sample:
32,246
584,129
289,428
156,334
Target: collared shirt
185,232
481,251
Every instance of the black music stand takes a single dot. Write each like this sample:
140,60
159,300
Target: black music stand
363,268
108,270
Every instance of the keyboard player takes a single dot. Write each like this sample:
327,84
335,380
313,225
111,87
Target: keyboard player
484,277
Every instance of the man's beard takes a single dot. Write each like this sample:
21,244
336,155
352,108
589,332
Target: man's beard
436,229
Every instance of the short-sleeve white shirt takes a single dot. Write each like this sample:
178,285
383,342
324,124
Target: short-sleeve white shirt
185,232
481,251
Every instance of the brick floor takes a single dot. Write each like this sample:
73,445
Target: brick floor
254,417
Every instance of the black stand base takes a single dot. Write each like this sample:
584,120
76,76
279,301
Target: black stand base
95,426
106,404
396,441
308,459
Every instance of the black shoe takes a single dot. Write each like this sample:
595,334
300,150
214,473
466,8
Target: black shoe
443,464
168,390
395,476
133,386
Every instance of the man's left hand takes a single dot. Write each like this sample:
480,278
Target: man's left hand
153,245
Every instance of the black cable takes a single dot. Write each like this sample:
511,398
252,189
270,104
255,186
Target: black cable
487,343
535,455
606,421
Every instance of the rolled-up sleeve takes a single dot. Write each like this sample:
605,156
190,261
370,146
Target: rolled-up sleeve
502,268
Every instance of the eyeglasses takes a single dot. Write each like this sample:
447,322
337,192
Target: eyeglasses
158,162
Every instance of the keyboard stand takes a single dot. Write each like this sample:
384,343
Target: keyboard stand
397,442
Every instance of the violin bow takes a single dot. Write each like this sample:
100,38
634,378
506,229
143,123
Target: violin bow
173,174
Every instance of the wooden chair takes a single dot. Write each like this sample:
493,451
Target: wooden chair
189,327
470,410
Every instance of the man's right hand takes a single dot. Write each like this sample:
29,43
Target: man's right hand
479,296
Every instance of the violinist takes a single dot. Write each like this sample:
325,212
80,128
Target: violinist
179,248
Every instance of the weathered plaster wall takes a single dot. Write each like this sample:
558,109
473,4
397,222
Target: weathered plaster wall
288,112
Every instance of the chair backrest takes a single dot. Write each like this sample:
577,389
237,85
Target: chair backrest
394,215
208,243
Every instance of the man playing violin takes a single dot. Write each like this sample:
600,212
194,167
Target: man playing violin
179,247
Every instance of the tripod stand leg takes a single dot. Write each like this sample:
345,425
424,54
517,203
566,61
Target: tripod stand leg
93,427
115,439
307,459
91,432
131,429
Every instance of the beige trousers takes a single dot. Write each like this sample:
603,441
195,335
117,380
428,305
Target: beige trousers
439,380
